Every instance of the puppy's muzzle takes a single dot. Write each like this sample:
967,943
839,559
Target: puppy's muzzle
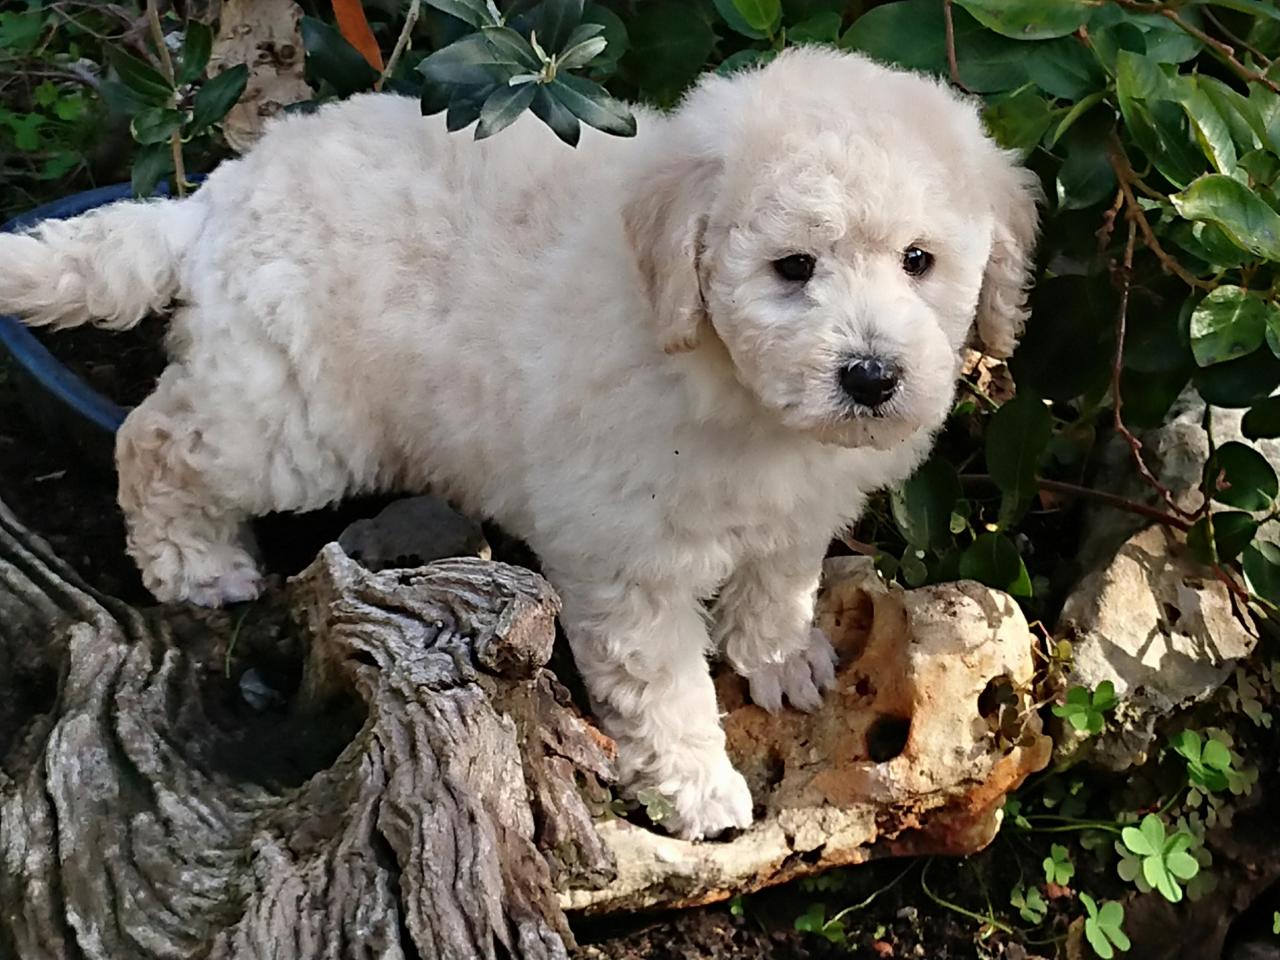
869,381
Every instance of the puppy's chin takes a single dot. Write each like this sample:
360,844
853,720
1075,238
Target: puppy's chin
878,433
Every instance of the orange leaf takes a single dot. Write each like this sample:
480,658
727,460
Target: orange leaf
354,27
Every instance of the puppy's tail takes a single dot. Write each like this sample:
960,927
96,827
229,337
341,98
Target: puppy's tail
110,267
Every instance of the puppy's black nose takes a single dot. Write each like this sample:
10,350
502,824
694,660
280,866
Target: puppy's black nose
869,382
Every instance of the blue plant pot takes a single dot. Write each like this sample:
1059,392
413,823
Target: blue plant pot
68,410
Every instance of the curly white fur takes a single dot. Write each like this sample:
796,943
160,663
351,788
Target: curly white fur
590,346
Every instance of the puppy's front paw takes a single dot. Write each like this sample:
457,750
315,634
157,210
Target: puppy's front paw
695,797
707,806
801,678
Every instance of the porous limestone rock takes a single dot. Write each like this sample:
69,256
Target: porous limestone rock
929,728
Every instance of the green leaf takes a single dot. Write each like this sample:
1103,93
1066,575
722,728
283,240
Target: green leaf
1212,131
742,59
509,47
503,107
670,42
1137,841
156,124
333,59
142,80
615,31
197,45
471,61
216,98
820,28
1030,19
1018,122
1241,213
1065,68
556,116
591,104
555,23
473,12
756,19
1263,420
1216,755
1239,383
151,164
465,105
993,559
910,33
1261,8
1240,477
922,505
1231,530
1097,939
1262,570
1086,176
582,53
1017,435
1228,323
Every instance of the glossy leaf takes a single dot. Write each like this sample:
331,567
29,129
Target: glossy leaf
1262,570
216,98
197,45
333,59
503,107
820,28
1237,210
1231,532
993,559
556,22
922,505
1030,19
156,124
670,43
1263,420
511,48
1018,122
473,60
141,79
1241,477
473,12
556,116
151,164
1228,323
1016,439
591,104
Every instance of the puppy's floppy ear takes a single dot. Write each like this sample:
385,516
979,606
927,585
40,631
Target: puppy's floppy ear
1015,194
664,223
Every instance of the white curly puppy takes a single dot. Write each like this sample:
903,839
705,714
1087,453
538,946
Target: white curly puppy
675,365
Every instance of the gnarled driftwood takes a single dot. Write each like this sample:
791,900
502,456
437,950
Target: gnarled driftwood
393,809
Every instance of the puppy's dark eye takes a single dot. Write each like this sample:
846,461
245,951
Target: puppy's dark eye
796,268
916,261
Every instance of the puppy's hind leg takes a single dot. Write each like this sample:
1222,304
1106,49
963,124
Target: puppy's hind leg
186,531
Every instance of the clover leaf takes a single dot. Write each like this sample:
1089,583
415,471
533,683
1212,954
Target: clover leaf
1165,860
1103,927
1208,761
1058,867
1086,710
1030,903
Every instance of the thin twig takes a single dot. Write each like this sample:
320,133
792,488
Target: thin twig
1117,368
952,63
1224,51
859,546
1102,496
1257,54
402,44
166,64
1127,179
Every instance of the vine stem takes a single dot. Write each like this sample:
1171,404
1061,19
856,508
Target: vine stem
953,64
402,43
1111,499
955,907
166,64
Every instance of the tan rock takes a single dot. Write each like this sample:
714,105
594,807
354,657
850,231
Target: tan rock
1160,627
909,755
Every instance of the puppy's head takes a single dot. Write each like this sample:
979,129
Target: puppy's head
841,229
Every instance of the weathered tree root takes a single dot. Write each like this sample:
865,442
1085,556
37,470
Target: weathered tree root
133,825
